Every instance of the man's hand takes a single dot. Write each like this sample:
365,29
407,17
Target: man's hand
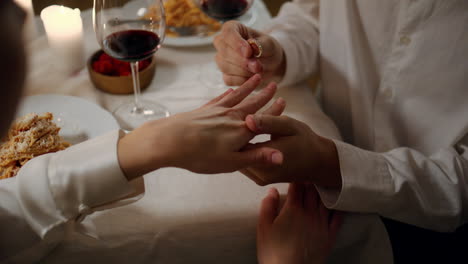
209,139
306,155
303,231
236,57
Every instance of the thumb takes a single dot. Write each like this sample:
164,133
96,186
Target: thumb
295,196
274,125
268,210
258,156
335,225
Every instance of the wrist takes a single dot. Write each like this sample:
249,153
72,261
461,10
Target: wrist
135,158
329,166
278,72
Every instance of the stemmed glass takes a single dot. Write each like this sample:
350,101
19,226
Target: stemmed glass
131,31
223,10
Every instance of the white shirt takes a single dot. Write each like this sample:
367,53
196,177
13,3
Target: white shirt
53,193
395,80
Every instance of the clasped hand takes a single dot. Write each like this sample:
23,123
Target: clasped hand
210,139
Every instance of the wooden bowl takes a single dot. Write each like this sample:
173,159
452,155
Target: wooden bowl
119,84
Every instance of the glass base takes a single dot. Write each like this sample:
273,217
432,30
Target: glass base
130,117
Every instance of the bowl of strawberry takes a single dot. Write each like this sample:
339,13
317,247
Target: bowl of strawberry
115,76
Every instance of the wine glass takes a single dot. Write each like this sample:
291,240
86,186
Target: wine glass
131,31
223,10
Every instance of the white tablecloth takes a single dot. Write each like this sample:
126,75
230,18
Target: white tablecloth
185,217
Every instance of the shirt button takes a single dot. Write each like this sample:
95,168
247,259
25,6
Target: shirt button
405,40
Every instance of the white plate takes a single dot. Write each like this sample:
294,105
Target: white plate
78,118
247,19
188,41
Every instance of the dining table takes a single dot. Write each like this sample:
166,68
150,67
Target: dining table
185,217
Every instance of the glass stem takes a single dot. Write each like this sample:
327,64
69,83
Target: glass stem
136,87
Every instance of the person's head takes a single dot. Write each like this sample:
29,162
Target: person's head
12,60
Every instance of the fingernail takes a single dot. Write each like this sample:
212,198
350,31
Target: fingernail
251,66
277,158
272,192
254,66
257,77
271,86
280,101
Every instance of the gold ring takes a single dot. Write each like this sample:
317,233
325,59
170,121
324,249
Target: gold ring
258,46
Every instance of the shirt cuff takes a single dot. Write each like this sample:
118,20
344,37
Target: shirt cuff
291,57
88,175
364,176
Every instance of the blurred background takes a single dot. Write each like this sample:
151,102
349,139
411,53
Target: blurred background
273,5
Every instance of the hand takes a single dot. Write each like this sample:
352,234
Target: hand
236,58
207,140
307,156
303,231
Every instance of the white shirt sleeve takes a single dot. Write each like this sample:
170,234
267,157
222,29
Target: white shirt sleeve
296,28
53,190
402,184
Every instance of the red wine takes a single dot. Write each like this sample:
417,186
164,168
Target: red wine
224,9
131,45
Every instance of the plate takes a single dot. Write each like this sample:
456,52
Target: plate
78,118
188,41
247,19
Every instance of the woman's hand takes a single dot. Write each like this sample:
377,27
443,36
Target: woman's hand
209,139
236,57
303,231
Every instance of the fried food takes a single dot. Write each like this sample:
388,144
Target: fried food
30,136
184,13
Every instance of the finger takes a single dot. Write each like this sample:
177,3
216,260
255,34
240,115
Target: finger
233,34
335,225
227,54
247,172
276,108
242,92
312,200
295,195
323,211
252,104
268,124
257,157
218,98
232,80
268,209
230,68
268,213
